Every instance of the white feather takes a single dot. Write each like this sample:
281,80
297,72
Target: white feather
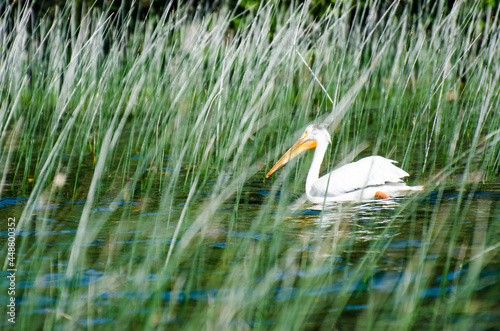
369,171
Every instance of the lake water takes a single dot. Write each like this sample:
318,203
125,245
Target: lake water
350,260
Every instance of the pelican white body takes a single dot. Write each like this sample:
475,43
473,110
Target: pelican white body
357,181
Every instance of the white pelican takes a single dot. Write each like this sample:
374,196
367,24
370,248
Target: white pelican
370,177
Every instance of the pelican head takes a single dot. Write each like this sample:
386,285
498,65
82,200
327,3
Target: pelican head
313,134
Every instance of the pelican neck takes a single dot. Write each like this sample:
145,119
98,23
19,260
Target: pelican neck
313,174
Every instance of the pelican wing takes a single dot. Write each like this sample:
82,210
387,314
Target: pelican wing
369,171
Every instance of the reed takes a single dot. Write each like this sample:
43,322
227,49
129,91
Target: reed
162,137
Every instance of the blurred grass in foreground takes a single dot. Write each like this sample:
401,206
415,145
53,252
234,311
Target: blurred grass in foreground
183,117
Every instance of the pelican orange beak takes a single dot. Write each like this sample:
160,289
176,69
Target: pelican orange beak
299,147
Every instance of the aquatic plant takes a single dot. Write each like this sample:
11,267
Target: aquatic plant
142,150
